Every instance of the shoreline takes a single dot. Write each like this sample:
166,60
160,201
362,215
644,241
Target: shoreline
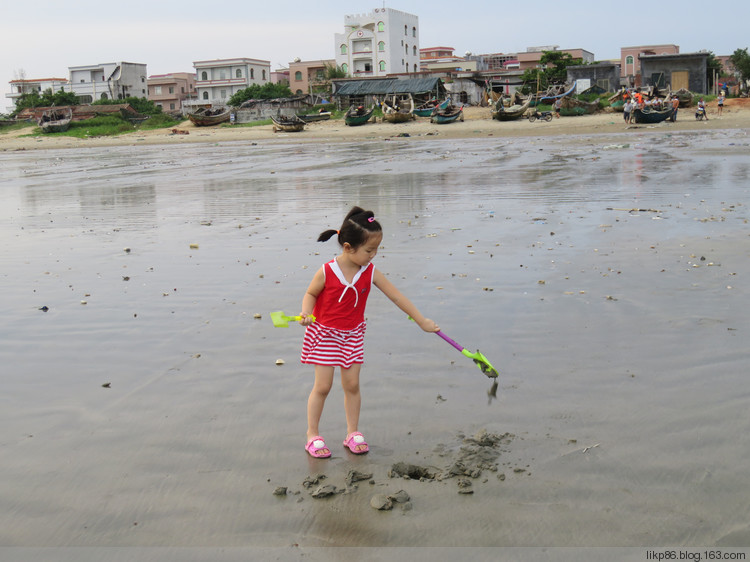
477,124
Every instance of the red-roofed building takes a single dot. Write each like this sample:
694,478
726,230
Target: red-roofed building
39,85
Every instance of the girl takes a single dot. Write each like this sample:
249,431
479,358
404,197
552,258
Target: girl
333,310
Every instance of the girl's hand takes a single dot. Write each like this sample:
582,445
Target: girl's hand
306,319
429,325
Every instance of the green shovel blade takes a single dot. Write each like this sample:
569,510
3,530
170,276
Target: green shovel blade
481,361
281,320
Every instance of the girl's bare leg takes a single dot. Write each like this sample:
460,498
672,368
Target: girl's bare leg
352,397
317,399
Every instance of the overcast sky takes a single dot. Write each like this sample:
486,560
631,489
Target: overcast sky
44,38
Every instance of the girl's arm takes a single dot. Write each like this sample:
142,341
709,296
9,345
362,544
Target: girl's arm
311,297
390,291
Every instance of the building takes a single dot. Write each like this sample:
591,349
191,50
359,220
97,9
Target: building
218,80
630,66
383,42
606,75
533,55
309,77
39,85
113,80
168,91
665,72
442,59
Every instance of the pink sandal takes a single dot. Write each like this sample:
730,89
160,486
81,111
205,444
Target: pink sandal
355,440
316,447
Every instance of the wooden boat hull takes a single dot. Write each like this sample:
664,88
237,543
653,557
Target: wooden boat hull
398,117
200,119
685,96
354,119
314,117
651,115
55,120
428,109
448,116
572,107
511,113
288,124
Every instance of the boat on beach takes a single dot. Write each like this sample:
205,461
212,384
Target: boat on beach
357,115
650,115
685,96
287,124
572,106
511,112
314,117
448,114
55,120
205,117
398,111
426,109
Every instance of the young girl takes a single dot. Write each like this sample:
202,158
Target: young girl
333,309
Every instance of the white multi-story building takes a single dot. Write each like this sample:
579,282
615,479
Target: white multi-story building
385,41
112,80
26,86
217,80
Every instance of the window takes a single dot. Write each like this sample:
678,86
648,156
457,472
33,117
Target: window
238,74
406,30
264,74
171,89
413,31
414,50
298,75
223,94
157,90
345,68
182,90
343,49
222,75
171,106
319,74
104,96
629,59
252,74
406,49
299,92
381,26
381,46
204,75
205,95
381,64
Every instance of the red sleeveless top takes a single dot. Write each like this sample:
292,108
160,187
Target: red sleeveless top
340,304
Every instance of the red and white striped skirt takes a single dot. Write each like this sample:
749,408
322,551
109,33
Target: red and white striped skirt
329,346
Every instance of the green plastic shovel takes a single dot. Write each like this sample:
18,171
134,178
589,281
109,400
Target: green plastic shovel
481,361
281,320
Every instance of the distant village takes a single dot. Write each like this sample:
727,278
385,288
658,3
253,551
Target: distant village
380,46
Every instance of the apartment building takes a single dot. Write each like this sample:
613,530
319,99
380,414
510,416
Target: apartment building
168,91
218,80
39,85
307,77
383,42
113,80
630,65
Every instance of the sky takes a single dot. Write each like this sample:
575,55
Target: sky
43,40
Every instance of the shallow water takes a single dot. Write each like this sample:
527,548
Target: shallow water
606,283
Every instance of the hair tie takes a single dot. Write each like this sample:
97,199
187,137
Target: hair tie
371,219
338,232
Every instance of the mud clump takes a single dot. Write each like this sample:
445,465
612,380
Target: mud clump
412,471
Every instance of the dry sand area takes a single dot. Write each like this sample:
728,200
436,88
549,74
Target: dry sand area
477,123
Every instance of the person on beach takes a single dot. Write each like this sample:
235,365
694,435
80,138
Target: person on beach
675,107
558,106
333,311
626,111
702,108
720,101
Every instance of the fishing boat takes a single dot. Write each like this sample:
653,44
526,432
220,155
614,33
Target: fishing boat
205,117
501,112
617,101
313,117
447,115
554,93
287,124
572,106
426,109
55,120
358,115
650,115
398,111
685,96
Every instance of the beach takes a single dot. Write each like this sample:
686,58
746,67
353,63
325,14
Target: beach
151,408
477,124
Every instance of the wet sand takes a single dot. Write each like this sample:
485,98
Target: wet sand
604,277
